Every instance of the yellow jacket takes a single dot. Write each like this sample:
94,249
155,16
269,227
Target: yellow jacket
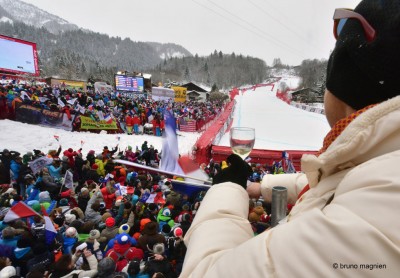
100,170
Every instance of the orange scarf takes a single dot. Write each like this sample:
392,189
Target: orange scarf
334,133
338,128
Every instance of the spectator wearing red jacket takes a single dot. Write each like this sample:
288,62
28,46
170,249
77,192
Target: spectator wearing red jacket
70,153
123,252
129,124
108,193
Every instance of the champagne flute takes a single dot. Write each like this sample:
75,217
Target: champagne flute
242,140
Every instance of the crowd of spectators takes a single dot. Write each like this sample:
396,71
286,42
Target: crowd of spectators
106,224
131,114
113,220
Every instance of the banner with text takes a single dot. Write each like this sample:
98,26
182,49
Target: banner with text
88,123
180,93
26,113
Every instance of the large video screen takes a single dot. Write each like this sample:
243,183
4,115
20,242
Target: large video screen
18,56
129,83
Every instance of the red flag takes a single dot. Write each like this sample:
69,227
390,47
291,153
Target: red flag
57,137
20,210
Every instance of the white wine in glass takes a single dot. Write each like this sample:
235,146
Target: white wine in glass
242,140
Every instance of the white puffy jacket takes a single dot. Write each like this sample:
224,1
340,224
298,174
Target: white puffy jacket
356,235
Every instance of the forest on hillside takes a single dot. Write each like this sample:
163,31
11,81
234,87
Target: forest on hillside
82,55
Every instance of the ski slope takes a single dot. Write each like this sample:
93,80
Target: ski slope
278,125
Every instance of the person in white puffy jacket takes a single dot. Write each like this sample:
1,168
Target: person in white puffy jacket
344,225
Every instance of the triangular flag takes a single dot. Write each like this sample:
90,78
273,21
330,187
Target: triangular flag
20,210
57,137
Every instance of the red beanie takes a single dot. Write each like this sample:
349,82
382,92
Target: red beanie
178,232
110,222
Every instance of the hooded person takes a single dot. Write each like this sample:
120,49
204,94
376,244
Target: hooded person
356,167
23,253
123,252
100,165
70,153
109,194
164,217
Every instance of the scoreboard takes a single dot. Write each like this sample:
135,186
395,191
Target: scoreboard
129,83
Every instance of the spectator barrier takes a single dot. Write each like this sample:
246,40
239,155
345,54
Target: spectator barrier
206,147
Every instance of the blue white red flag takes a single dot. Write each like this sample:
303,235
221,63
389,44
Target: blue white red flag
50,230
170,151
170,159
19,210
108,119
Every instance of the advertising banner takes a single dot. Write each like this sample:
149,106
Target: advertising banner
34,115
28,114
68,84
131,95
88,123
51,118
180,93
162,93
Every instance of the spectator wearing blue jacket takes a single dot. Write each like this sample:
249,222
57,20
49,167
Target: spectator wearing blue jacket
15,166
55,168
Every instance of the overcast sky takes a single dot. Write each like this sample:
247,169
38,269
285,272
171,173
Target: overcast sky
292,30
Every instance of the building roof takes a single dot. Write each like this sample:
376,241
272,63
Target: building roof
303,91
193,87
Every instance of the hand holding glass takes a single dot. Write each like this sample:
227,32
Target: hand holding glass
242,140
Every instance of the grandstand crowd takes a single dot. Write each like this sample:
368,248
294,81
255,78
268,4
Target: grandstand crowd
130,114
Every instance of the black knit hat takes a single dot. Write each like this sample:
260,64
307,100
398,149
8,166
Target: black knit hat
361,73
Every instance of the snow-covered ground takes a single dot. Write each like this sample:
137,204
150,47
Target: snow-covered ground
24,137
278,125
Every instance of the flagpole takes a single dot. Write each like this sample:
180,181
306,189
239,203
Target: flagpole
125,162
